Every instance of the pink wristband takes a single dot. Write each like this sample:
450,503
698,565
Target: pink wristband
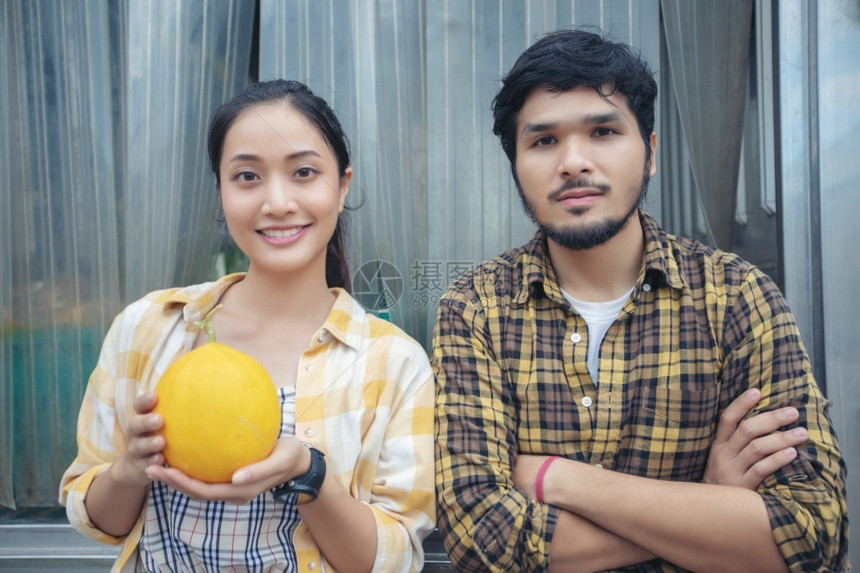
539,477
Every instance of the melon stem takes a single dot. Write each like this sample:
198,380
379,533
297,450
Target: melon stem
206,326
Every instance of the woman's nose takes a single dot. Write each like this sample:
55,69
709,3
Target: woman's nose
279,199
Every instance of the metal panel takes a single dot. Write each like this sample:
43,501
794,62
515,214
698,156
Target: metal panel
838,37
819,88
795,156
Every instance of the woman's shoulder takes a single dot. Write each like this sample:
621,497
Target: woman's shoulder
382,340
354,319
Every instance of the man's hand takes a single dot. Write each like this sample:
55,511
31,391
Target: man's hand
744,453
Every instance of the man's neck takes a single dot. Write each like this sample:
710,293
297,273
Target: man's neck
604,272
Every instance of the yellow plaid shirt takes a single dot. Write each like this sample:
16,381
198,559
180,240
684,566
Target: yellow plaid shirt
700,327
364,396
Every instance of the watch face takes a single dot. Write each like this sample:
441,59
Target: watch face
305,497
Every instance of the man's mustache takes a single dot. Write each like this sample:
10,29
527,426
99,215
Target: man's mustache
578,184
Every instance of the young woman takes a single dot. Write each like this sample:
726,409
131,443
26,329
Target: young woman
356,392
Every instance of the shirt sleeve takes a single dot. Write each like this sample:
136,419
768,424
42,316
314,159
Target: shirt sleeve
99,436
486,523
402,496
806,499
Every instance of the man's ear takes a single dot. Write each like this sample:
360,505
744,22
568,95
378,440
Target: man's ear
652,144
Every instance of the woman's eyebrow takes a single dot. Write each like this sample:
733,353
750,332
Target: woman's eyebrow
291,156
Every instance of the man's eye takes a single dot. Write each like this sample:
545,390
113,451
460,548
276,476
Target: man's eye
545,140
603,131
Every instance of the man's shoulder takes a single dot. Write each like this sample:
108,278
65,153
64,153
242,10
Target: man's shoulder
699,264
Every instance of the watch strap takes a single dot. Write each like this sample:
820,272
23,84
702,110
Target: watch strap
307,485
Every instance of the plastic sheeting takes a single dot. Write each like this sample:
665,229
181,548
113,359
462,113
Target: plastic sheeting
708,44
104,194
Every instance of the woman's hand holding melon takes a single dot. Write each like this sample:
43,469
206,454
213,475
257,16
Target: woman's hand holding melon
144,446
288,459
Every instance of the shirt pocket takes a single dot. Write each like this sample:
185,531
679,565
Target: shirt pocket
668,430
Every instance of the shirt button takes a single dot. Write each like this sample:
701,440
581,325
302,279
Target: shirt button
321,338
312,565
309,367
586,401
309,432
598,466
576,337
646,287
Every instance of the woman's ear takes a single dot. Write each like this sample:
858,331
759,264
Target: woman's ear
344,188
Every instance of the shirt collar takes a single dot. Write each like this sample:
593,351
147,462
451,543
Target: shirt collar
198,300
659,254
344,322
658,263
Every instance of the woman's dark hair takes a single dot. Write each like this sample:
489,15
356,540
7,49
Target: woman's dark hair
318,112
567,59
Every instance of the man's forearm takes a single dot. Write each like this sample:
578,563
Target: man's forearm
696,526
580,545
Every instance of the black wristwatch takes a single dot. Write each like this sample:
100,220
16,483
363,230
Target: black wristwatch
307,485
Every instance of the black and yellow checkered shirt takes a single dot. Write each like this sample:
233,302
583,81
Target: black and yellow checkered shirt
701,327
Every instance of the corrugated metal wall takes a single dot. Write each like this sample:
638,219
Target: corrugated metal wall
819,87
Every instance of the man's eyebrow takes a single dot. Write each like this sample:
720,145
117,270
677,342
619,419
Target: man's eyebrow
607,117
590,119
538,127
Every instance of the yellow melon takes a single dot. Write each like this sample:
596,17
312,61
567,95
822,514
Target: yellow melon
221,412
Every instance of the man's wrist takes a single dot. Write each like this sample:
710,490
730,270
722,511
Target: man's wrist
539,478
564,478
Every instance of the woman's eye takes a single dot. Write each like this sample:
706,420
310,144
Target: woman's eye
304,172
246,176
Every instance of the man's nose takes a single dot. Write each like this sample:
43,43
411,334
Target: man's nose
575,158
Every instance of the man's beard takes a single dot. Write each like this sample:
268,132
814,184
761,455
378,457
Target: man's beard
582,238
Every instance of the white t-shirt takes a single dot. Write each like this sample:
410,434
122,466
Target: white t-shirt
598,316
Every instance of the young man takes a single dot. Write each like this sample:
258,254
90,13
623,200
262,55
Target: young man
591,384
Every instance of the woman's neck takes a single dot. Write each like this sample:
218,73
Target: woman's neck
273,296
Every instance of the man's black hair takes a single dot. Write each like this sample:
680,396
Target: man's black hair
566,59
